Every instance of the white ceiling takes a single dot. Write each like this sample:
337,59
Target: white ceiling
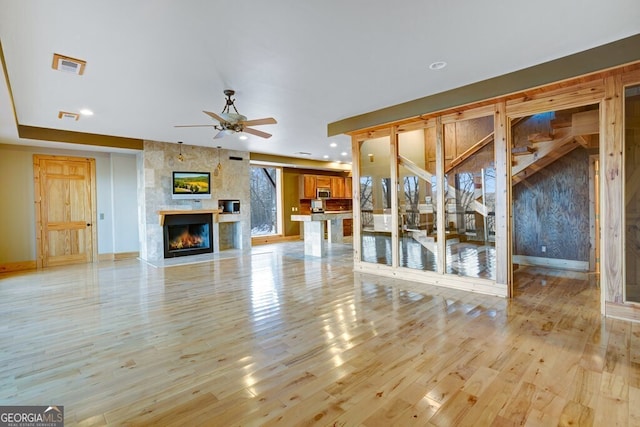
153,64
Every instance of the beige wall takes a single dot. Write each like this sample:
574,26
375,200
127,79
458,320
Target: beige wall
290,199
17,217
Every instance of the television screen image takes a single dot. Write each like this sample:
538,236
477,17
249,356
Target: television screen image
191,184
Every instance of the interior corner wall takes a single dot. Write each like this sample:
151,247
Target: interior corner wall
551,209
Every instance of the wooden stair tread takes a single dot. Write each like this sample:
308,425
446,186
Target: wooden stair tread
540,137
522,151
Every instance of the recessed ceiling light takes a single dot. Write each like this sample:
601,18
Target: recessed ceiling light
243,137
344,153
86,112
438,65
333,144
326,156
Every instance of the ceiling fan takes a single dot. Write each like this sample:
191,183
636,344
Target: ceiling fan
231,121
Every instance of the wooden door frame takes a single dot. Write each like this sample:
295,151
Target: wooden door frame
594,212
40,240
556,103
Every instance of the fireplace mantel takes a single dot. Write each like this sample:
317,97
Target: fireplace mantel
188,212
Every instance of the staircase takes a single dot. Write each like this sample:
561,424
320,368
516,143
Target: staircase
568,132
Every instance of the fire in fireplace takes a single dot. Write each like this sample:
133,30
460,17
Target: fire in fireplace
187,234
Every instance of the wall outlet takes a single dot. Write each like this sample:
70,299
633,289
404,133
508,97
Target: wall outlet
543,248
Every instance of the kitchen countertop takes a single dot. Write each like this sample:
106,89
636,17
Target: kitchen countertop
325,216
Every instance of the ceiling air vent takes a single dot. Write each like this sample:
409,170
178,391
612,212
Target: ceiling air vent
65,115
68,64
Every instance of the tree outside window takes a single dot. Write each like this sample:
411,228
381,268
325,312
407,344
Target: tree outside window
264,201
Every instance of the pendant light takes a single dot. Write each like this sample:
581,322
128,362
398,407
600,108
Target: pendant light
180,156
218,168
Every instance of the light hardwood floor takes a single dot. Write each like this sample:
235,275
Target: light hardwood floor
275,338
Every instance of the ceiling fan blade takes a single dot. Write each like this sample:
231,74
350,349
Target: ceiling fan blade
257,122
220,134
194,126
214,116
256,132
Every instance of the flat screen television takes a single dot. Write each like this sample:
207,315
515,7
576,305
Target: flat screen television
191,185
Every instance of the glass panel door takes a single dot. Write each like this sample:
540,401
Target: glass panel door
470,198
375,201
417,201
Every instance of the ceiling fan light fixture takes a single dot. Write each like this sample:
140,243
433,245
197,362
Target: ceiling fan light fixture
234,122
233,117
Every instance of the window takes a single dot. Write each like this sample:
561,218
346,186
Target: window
366,202
265,188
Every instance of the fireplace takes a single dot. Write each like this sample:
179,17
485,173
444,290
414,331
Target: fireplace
188,234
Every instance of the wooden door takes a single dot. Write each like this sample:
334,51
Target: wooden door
65,210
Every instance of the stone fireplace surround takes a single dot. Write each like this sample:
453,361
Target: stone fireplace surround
156,163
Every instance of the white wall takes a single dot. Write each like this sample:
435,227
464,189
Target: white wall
124,203
116,198
104,195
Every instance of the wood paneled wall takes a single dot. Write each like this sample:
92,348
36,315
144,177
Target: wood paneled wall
551,209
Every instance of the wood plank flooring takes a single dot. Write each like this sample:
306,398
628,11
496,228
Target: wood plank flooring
274,338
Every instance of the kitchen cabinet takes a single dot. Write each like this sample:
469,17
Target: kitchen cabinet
337,187
347,227
307,186
323,181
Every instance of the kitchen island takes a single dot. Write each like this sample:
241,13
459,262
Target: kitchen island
314,227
